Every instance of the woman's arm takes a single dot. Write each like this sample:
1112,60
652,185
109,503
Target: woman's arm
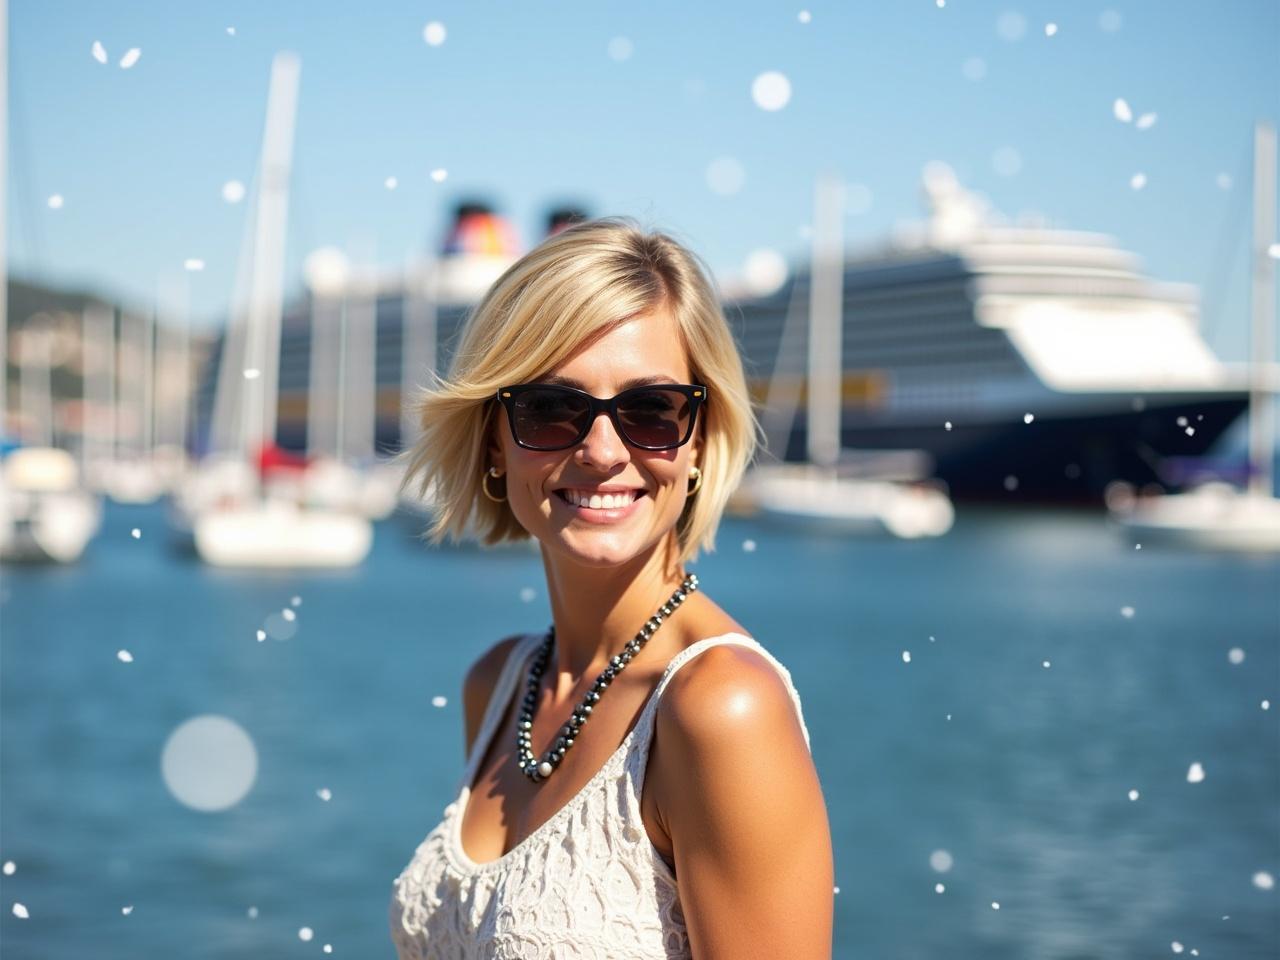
745,813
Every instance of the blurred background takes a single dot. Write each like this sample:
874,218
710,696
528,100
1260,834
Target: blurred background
1003,278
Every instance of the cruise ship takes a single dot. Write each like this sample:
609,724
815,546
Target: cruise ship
1024,363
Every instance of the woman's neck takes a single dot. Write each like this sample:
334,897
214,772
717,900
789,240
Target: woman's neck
598,610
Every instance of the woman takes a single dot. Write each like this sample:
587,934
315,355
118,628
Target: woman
651,793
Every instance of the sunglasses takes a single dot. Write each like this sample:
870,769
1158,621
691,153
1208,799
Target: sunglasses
547,416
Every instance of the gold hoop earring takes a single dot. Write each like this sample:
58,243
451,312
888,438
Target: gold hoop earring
696,476
484,484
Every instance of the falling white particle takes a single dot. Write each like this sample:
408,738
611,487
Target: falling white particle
262,635
1109,21
1181,421
1191,431
906,656
1273,251
931,640
20,911
324,794
1137,546
252,373
1028,417
748,546
253,913
434,33
328,948
99,52
296,601
130,58
835,889
1146,121
231,31
527,594
439,174
771,90
620,49
305,934
1266,704
764,271
55,202
1235,655
941,860
233,191
975,68
439,701
1046,664
391,183
1011,483
1133,794
725,176
9,868
948,716
135,533
1224,181
124,656
941,3
288,614
1011,26
1195,773
1121,110
1050,29
1126,612
193,264
1138,181
1177,947
1263,880
804,16
947,424
127,910
995,905
939,888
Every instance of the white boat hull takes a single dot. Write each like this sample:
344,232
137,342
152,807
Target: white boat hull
1216,516
281,535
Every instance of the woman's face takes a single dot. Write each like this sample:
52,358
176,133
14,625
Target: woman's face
646,348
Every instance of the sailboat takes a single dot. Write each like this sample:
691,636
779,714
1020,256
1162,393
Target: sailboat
254,515
827,491
1219,515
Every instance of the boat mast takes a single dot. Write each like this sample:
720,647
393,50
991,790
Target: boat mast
826,303
1261,413
266,288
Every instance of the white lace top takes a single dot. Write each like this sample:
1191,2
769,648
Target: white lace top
588,883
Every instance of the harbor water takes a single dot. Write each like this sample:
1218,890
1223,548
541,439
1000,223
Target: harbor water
1009,722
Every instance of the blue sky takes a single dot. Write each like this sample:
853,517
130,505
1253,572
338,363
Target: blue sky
523,104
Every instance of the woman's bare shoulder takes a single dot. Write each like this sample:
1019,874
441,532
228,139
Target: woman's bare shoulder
481,678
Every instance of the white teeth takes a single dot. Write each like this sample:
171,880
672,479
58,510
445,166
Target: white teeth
596,501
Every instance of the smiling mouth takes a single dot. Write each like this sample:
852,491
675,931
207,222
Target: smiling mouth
600,501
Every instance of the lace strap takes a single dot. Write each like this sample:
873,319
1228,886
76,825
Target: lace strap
521,650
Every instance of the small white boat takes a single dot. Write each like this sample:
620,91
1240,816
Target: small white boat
45,515
822,499
280,533
1214,515
1218,515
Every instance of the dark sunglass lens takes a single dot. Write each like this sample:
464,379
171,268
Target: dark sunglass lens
549,418
654,417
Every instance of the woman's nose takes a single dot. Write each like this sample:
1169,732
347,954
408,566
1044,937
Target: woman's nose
602,447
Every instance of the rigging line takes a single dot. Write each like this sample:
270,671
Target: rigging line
1226,249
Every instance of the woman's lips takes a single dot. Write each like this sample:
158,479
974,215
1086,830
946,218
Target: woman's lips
601,514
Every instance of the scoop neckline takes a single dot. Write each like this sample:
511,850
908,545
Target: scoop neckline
462,860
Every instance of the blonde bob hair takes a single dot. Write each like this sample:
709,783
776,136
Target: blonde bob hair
574,286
